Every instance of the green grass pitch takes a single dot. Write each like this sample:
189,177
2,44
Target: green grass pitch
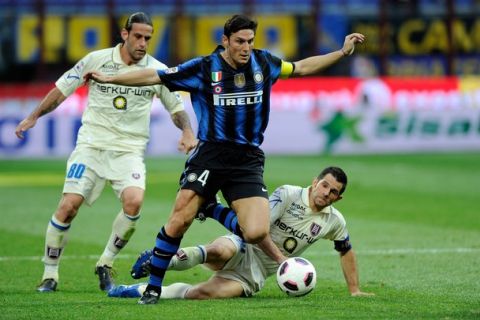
414,222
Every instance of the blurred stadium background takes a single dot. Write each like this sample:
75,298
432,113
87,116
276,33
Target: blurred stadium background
412,87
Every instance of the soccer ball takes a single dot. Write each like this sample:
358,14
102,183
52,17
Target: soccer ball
296,276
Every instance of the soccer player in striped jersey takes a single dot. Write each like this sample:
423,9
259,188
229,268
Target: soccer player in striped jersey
230,93
299,217
111,143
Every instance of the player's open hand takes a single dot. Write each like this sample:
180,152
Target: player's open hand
96,76
350,41
23,126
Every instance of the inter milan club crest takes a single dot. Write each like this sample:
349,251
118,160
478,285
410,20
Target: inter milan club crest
239,80
191,177
258,77
315,229
217,76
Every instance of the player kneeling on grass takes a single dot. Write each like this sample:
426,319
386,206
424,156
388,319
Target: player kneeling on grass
299,216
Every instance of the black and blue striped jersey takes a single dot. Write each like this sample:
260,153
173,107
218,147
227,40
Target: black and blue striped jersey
231,105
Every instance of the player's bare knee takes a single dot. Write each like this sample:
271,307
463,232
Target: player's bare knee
132,208
254,236
132,205
66,211
215,251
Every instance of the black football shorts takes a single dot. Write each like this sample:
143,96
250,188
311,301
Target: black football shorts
235,170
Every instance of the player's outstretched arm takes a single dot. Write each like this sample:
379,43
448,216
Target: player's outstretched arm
348,261
51,101
315,64
145,77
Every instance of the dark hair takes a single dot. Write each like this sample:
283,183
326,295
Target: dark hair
137,17
239,22
337,173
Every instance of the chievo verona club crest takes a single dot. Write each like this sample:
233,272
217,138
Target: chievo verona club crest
216,76
315,229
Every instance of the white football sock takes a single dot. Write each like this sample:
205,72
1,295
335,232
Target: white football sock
55,241
175,291
122,229
141,288
187,258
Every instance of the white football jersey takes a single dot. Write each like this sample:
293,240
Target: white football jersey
294,226
116,117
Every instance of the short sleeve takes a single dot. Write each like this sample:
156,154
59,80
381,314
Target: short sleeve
73,78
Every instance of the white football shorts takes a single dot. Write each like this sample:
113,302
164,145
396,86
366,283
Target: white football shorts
244,267
89,169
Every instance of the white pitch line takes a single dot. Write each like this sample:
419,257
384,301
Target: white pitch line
379,252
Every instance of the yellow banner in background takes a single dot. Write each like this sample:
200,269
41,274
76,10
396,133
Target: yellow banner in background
75,35
54,38
28,44
27,40
186,45
278,35
208,34
87,34
275,33
78,35
82,35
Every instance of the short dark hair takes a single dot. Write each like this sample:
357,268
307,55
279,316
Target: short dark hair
337,173
137,17
239,22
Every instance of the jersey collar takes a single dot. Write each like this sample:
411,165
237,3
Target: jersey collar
219,49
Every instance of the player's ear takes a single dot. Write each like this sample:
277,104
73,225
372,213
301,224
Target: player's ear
315,182
225,41
124,34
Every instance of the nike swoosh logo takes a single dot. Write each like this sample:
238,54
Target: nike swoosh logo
215,84
264,190
69,76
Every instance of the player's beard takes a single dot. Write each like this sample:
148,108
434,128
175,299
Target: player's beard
138,55
321,202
